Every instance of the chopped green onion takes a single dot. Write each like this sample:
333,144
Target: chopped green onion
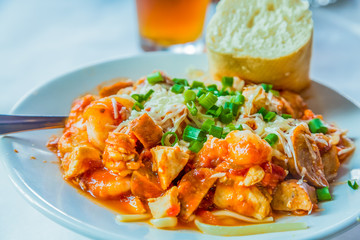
266,87
216,93
316,126
164,138
197,84
227,82
148,94
196,146
177,88
214,111
286,116
269,116
208,100
263,111
323,194
226,116
201,92
192,133
272,138
238,99
189,95
216,131
207,124
138,97
234,107
353,186
275,93
212,87
231,127
180,81
154,78
137,106
240,127
224,93
224,135
192,108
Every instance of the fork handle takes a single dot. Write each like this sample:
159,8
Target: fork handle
17,123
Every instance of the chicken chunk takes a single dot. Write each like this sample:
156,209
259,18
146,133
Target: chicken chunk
293,196
307,160
102,183
71,139
254,175
193,187
120,152
165,206
258,98
240,149
169,163
146,130
248,201
81,159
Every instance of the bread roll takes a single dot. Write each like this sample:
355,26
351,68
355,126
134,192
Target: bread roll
261,41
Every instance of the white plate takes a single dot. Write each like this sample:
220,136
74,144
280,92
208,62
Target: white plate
42,185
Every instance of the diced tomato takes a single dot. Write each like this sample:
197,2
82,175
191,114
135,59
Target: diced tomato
173,210
273,174
207,217
308,115
240,172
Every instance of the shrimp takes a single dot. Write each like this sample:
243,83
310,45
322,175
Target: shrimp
247,149
102,183
75,130
120,153
240,149
103,116
77,110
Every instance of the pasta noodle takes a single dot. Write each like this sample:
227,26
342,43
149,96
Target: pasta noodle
249,230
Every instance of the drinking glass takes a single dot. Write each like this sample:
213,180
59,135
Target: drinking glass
174,25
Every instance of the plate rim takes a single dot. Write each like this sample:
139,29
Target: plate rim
85,229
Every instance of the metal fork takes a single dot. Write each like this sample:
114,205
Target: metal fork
18,123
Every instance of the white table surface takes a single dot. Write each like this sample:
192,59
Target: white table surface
40,40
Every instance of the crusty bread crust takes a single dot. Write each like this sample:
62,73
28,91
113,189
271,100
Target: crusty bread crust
290,72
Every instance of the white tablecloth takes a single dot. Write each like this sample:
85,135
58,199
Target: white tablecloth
40,40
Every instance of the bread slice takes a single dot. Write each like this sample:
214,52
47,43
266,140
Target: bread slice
261,41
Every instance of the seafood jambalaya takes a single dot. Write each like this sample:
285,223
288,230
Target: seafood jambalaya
177,151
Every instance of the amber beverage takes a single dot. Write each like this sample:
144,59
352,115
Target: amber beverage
170,22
